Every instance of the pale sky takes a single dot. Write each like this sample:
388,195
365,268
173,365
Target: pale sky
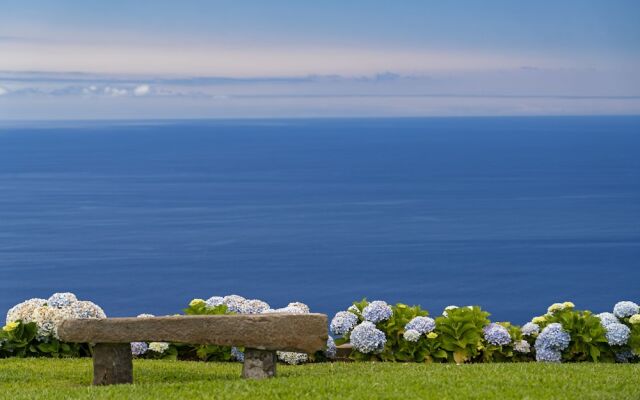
95,59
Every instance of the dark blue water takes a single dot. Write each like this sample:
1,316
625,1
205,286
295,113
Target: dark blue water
511,213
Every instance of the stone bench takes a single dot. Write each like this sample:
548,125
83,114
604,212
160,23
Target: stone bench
260,334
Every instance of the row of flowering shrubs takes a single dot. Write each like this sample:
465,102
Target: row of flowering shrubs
375,330
378,331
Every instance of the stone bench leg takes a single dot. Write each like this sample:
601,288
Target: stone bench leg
112,364
259,364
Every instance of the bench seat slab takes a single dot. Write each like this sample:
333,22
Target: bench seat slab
304,333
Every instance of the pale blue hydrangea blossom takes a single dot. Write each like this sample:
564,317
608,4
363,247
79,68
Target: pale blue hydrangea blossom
607,318
331,350
366,338
421,324
550,343
343,322
377,311
617,334
86,310
530,329
60,300
214,301
237,354
253,307
234,302
496,334
625,309
411,335
548,355
139,348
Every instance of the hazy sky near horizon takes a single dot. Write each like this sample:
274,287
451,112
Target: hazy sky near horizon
238,58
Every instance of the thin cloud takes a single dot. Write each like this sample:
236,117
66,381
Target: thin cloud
142,90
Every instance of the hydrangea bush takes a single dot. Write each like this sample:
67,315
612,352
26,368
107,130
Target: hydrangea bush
235,304
31,328
384,332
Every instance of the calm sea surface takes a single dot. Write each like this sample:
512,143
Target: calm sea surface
508,213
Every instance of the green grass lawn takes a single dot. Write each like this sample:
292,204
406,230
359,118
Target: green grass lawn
70,379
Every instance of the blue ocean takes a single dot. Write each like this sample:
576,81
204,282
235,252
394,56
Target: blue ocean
142,216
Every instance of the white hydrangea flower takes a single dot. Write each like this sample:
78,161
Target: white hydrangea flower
447,308
47,320
285,310
292,358
159,347
522,346
411,335
145,315
301,306
23,311
555,307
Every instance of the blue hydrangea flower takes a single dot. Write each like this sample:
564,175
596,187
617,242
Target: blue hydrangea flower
607,318
214,301
530,329
624,356
625,309
331,350
553,337
60,300
421,324
139,348
86,309
617,334
496,334
411,335
366,338
377,311
253,307
548,355
522,346
237,354
343,322
234,302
